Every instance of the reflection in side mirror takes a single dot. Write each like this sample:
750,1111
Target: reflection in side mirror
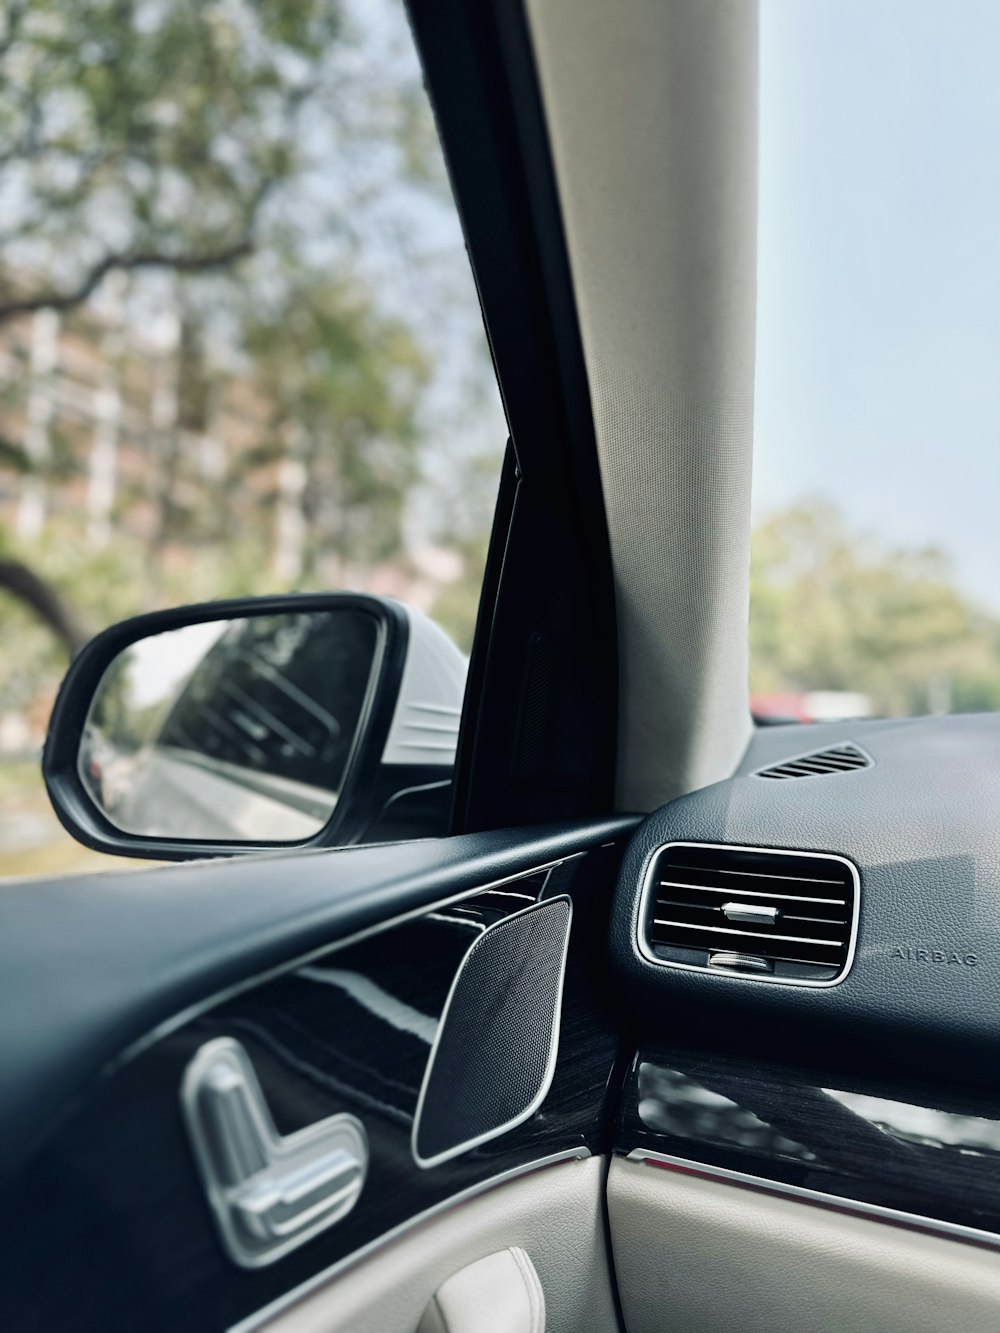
318,720
234,729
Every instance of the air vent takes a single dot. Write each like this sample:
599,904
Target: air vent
838,759
789,917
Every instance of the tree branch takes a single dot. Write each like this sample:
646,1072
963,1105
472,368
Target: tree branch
15,15
126,263
24,584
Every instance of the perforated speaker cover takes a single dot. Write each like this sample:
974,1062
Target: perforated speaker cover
495,1052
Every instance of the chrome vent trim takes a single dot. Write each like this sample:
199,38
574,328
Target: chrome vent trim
820,763
702,911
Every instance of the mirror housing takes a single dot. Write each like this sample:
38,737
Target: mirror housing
396,783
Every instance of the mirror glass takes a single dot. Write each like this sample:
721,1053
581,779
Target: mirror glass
234,730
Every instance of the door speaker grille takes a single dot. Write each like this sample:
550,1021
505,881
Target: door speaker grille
495,1052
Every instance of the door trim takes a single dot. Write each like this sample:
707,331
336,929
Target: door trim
260,1317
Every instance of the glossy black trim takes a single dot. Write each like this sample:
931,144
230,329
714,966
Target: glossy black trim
126,1238
556,578
924,1158
86,822
503,517
91,966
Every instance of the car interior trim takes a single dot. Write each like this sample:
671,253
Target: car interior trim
832,1202
480,77
263,1316
318,1050
185,940
814,752
195,1011
269,1193
665,294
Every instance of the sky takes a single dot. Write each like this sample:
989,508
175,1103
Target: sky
159,664
878,343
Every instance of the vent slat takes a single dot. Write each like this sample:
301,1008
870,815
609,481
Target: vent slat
810,939
814,920
756,934
695,914
751,893
837,759
760,874
820,963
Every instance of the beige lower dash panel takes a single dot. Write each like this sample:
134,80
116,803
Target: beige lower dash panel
705,1256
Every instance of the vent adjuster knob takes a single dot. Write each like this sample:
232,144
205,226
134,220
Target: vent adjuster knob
749,914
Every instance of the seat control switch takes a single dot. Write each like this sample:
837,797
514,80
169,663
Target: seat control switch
269,1192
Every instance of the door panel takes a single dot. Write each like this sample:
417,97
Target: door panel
112,961
127,1237
556,1214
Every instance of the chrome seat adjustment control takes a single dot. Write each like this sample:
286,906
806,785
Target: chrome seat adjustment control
269,1193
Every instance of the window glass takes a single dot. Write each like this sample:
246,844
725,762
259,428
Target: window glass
240,345
876,556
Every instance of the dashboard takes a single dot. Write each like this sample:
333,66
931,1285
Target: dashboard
873,1090
919,825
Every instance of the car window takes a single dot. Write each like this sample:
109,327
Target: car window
876,545
240,352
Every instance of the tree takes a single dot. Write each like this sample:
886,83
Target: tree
832,609
343,383
45,601
140,136
229,155
469,512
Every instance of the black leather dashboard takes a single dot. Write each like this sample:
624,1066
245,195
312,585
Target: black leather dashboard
921,825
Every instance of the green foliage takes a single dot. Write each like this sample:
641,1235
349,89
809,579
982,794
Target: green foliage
469,502
141,133
831,609
243,149
343,383
104,586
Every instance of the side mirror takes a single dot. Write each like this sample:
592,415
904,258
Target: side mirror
307,720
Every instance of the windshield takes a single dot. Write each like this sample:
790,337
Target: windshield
876,548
